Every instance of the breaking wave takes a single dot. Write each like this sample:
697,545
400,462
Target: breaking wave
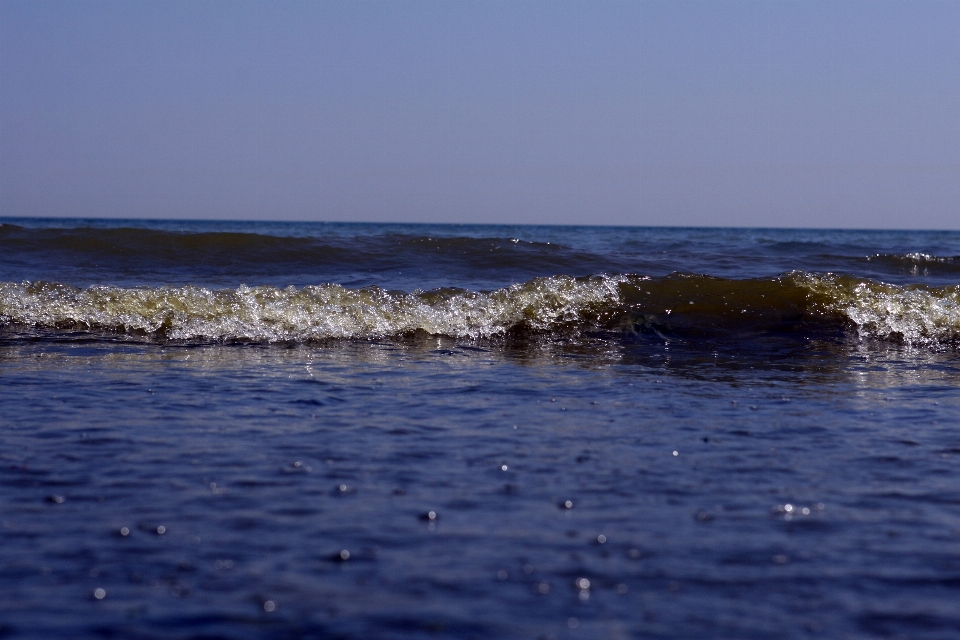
676,305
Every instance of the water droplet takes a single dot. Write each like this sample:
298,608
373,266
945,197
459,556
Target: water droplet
566,504
601,539
573,623
161,530
502,575
124,531
503,467
676,453
582,583
99,594
344,555
269,606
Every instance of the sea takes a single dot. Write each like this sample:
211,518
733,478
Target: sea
396,431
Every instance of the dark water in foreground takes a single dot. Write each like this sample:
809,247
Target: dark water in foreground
240,430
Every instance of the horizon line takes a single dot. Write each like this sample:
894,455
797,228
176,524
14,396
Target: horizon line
468,224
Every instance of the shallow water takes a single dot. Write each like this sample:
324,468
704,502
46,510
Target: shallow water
794,474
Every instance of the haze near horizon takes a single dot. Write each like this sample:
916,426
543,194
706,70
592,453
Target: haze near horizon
770,114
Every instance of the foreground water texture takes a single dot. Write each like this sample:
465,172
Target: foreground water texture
251,430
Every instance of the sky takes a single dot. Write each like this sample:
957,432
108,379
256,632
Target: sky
770,114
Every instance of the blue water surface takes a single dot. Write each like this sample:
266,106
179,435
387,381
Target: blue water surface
423,486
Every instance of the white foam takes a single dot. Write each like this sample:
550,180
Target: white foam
913,315
311,313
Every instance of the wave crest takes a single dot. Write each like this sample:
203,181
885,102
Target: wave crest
913,315
311,313
679,305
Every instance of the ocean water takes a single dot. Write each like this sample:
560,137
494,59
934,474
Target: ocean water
281,430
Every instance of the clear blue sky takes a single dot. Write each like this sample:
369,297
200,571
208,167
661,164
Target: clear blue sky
824,114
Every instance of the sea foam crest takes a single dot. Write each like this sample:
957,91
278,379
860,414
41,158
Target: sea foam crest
310,313
913,315
680,305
